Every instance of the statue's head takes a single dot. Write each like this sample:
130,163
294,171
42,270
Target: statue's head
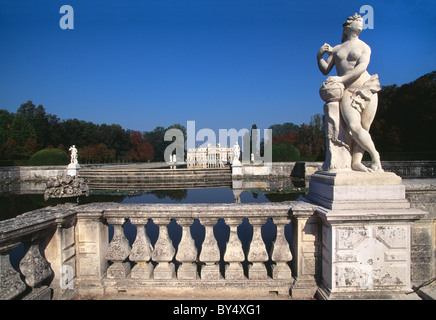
354,24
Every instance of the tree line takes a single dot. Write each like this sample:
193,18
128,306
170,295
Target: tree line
31,129
405,120
403,125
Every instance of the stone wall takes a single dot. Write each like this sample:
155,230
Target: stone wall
421,193
405,169
286,169
31,173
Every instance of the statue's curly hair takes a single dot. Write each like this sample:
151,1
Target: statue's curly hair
350,19
348,22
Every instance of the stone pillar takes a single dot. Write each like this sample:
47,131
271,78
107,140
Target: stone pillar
92,243
210,252
141,251
305,248
187,252
281,254
163,251
60,252
366,236
234,254
257,254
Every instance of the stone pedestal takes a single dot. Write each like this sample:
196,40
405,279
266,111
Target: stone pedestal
353,190
236,168
366,223
73,169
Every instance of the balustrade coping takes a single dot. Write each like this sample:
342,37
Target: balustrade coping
197,210
41,219
33,222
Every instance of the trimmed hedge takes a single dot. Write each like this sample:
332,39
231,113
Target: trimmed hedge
285,152
49,157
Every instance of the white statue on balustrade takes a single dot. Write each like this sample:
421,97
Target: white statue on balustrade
236,152
74,157
74,166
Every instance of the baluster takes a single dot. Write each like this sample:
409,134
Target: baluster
281,253
163,251
141,251
234,254
210,252
33,265
10,283
187,252
257,253
118,251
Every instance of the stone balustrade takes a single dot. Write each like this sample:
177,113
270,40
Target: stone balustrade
180,266
184,251
47,236
71,250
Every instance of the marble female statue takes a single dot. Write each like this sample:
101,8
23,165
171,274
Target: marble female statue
353,92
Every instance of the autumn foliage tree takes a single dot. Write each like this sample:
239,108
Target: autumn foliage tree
141,150
96,153
289,137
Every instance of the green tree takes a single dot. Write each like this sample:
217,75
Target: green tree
49,156
284,128
21,129
156,139
45,125
311,138
284,152
405,117
5,127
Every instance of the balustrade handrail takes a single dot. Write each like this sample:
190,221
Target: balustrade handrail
33,222
194,210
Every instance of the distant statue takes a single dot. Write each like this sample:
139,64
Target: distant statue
73,151
351,100
236,151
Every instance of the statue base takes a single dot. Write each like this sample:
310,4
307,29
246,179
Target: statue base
236,168
366,233
347,189
73,169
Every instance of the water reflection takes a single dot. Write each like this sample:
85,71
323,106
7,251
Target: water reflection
18,198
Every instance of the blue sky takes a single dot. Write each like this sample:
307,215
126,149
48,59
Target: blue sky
221,63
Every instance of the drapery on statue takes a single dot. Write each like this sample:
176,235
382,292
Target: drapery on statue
351,100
